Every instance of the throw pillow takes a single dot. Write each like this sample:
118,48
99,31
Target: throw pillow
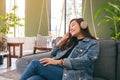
41,40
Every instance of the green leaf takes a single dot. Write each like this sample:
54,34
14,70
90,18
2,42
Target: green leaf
109,17
102,21
100,9
117,7
110,11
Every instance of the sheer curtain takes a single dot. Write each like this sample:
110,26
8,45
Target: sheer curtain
20,11
62,11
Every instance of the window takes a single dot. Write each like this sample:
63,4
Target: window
18,31
57,17
62,11
73,10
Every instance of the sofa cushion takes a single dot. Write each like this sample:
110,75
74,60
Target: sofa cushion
96,78
105,65
15,39
41,40
29,43
54,41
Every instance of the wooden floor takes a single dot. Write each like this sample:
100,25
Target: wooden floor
3,67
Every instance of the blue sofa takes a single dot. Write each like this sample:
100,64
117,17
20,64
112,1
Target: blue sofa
107,66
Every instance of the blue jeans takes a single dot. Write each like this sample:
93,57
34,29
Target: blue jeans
36,71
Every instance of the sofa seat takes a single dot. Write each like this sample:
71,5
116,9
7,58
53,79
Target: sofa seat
98,78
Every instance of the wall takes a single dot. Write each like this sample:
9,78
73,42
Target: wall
32,19
103,31
2,6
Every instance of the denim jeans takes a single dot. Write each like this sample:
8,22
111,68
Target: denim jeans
36,71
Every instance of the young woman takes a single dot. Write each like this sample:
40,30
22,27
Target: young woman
73,57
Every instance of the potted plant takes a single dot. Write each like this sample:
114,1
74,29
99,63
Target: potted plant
112,16
3,40
7,21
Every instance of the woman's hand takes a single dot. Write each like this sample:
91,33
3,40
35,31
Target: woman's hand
47,61
63,39
66,36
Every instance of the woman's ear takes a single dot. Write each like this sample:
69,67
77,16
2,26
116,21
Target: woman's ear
83,25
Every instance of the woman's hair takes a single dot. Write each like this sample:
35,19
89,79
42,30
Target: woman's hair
84,31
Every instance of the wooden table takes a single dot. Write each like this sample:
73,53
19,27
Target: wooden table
42,48
15,44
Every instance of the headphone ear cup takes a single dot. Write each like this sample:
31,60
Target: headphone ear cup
83,25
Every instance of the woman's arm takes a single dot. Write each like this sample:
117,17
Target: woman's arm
48,61
63,39
59,44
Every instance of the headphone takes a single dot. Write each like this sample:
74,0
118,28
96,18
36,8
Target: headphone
83,25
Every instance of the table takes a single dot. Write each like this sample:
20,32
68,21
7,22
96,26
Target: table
6,54
43,48
15,44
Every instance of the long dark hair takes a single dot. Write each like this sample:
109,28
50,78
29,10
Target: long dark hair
71,40
85,32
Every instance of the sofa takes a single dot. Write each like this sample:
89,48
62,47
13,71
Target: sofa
106,66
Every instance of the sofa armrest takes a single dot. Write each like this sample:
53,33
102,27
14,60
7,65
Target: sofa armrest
22,62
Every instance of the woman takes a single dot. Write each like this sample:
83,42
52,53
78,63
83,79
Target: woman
73,57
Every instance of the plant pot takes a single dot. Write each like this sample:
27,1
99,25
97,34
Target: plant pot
1,60
3,47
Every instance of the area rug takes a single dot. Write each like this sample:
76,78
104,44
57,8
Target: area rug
2,78
12,75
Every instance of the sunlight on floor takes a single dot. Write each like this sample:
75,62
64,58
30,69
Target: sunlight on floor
3,67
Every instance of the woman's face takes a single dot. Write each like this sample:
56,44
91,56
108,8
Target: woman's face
74,29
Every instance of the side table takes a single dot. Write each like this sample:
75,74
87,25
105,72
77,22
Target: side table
15,44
